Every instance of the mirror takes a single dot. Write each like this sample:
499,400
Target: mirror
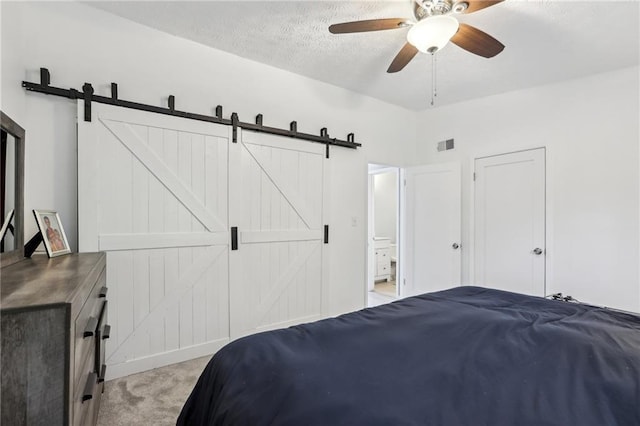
11,191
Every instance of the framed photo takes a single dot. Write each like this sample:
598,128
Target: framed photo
55,241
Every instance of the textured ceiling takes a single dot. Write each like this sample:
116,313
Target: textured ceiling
546,41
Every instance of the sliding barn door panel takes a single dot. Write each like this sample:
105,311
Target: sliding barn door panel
153,195
277,202
161,194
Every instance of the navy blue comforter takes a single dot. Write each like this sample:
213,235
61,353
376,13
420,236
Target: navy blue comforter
465,356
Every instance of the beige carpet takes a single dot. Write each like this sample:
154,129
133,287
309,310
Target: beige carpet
154,397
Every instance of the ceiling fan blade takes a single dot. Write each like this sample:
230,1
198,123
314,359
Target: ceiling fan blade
476,5
403,57
370,25
476,41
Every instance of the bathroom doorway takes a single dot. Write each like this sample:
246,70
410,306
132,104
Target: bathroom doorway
383,252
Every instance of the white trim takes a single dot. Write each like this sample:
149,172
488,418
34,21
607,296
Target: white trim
250,236
139,365
112,242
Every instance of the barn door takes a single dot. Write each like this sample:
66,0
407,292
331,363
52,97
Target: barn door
432,199
153,195
510,222
276,196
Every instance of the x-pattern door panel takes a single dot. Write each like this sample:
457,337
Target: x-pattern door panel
277,190
153,195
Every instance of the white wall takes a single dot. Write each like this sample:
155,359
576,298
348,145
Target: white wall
590,127
78,44
386,204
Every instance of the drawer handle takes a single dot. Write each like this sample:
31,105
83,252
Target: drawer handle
103,291
106,331
92,380
103,373
92,324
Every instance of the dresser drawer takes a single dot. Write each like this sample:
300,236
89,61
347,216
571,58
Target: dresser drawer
87,394
85,330
383,269
382,255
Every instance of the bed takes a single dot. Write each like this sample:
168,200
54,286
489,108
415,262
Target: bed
464,356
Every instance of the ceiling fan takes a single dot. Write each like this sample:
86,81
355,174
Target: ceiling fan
435,27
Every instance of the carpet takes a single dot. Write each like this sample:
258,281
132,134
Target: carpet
154,397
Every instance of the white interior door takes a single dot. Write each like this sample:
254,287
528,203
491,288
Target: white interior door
277,202
432,211
509,252
152,193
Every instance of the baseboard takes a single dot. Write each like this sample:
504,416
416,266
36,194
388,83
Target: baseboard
115,371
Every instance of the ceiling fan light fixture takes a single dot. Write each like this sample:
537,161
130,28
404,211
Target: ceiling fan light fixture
432,33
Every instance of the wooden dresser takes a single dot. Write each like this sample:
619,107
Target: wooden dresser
53,320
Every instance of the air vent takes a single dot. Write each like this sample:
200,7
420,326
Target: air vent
445,145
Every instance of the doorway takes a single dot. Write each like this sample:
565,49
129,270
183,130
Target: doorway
383,234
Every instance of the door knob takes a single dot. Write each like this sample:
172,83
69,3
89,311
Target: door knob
537,251
455,246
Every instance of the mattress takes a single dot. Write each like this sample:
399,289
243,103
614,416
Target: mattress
464,356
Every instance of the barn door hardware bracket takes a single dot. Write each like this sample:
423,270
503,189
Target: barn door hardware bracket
234,124
327,151
326,234
45,77
87,94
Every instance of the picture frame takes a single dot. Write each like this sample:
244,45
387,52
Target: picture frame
53,236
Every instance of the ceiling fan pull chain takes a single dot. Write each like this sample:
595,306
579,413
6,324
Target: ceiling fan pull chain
433,79
435,75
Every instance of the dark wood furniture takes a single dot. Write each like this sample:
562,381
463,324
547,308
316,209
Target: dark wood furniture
53,321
